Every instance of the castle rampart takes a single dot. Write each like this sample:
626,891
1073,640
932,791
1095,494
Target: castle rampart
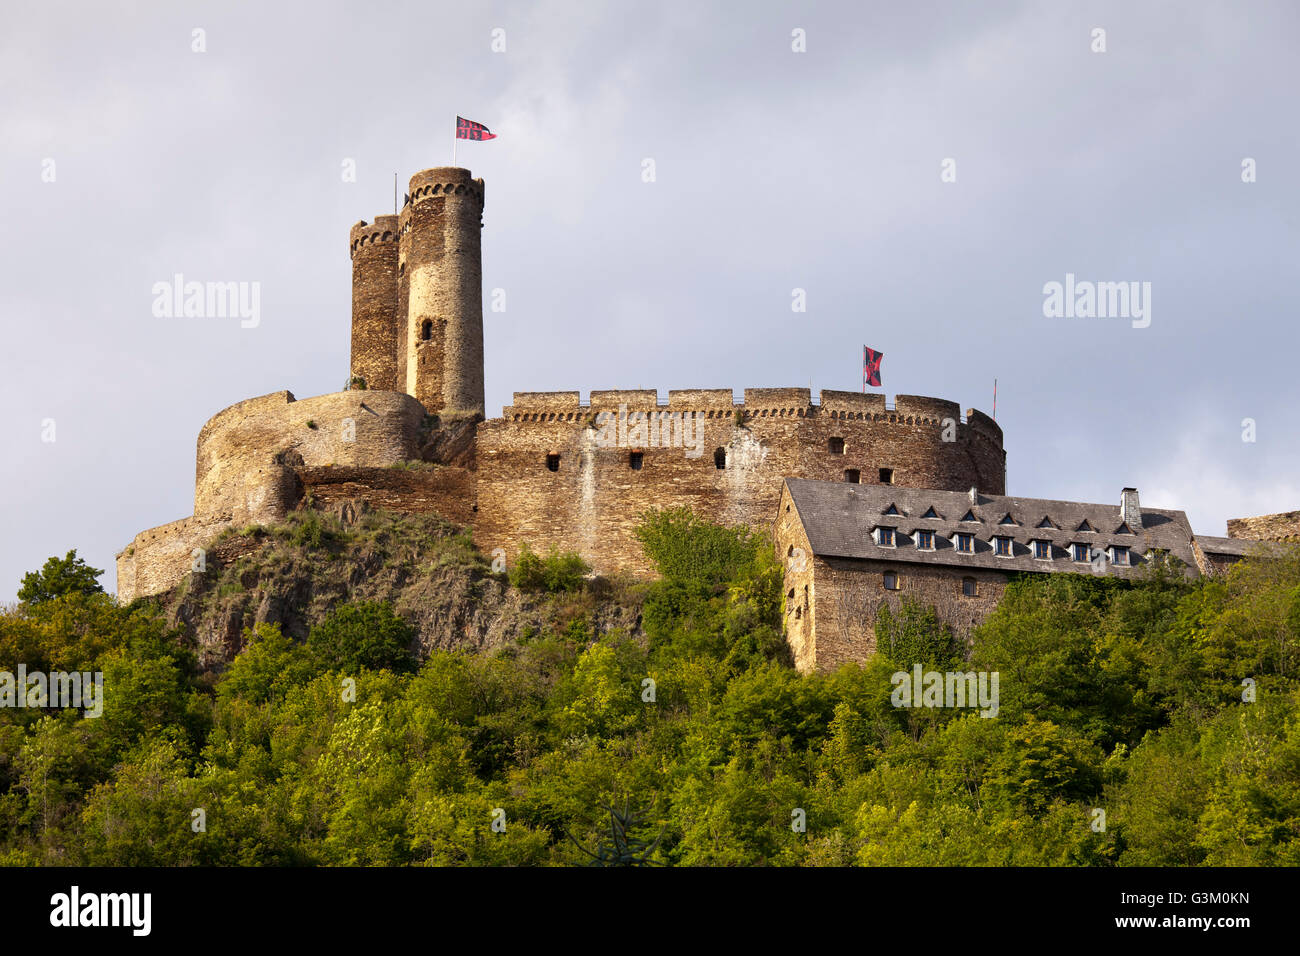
1284,526
552,470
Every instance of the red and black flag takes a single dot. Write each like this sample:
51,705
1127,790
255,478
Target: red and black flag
468,129
871,367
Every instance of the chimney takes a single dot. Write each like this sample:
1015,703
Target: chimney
974,496
1130,512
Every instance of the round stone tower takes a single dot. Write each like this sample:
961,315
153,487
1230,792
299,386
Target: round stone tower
378,327
441,275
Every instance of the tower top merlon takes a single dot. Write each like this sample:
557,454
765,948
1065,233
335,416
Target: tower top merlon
444,181
383,229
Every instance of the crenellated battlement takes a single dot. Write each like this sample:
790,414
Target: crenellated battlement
444,181
383,229
758,404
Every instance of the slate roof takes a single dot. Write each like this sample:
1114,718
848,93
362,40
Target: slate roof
1235,547
840,518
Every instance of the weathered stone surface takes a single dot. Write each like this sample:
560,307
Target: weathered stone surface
1279,527
591,502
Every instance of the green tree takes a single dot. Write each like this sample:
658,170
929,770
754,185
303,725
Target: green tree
363,634
60,576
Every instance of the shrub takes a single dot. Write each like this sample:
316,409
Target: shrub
557,571
363,634
697,554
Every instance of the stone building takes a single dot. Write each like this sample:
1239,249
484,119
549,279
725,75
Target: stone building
848,549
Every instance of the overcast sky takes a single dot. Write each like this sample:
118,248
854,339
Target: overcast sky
773,170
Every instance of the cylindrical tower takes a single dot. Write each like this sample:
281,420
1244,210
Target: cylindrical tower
443,278
378,327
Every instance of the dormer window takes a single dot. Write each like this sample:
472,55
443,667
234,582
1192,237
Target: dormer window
969,516
1007,519
924,540
1080,553
1046,523
964,542
891,510
1123,528
1119,555
930,513
1084,526
1002,547
1043,550
885,537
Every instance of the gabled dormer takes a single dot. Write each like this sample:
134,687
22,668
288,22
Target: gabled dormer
1047,522
970,516
930,513
1007,519
891,510
1084,526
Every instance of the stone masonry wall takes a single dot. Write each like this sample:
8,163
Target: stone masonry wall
1278,527
441,270
444,490
800,602
249,470
245,456
591,501
378,329
849,594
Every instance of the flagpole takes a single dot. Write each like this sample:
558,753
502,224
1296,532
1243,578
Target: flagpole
453,141
995,399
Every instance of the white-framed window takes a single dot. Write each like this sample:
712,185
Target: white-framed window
1081,553
885,537
964,542
924,540
1043,550
1002,547
1119,555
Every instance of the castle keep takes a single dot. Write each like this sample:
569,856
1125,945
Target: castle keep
551,469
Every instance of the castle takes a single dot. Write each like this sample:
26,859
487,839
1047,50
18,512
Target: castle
550,469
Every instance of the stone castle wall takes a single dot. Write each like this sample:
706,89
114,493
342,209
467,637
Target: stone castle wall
252,462
1279,527
548,471
246,453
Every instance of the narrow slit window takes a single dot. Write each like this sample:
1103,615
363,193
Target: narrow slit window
553,462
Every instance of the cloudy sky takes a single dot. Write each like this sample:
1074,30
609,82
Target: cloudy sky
127,157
